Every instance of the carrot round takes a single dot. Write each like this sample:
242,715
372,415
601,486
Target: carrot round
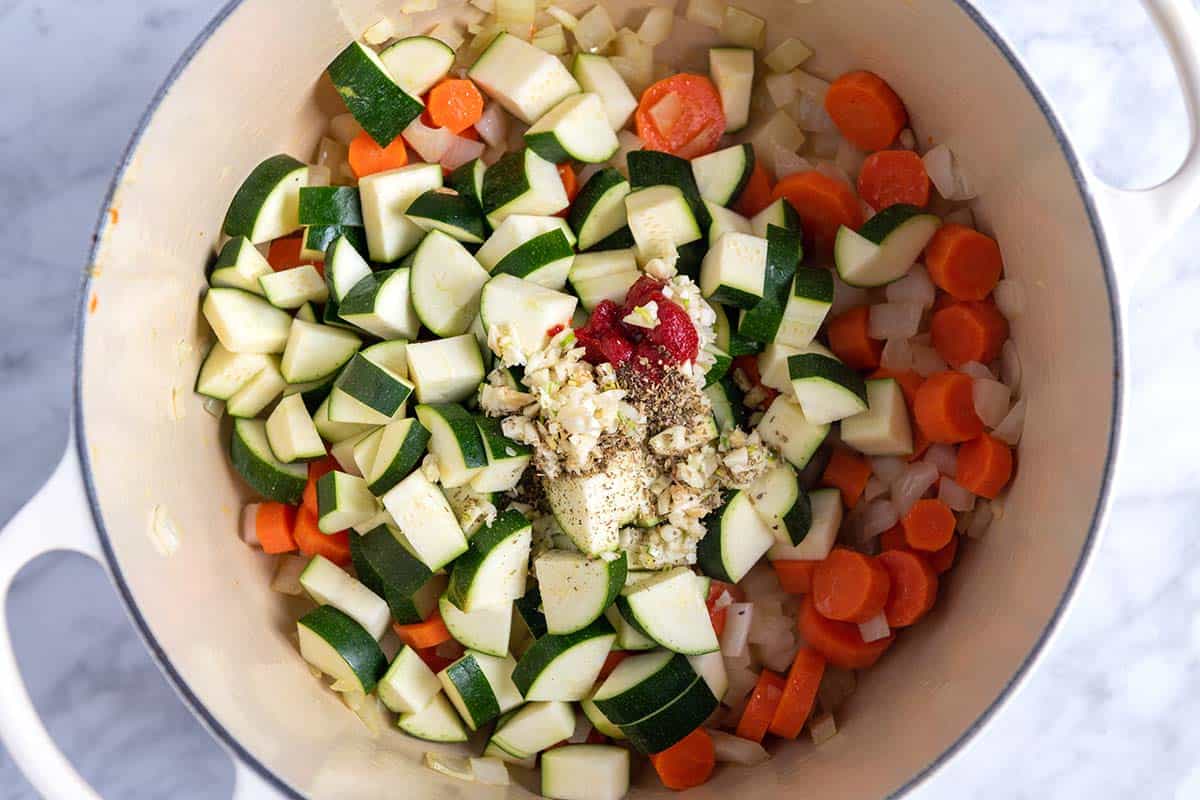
795,576
891,177
945,408
866,110
756,195
454,104
701,121
893,538
928,525
849,586
312,542
840,642
274,524
687,763
316,470
971,331
367,157
284,252
849,339
756,719
914,587
847,473
942,560
985,465
824,204
422,635
963,262
799,693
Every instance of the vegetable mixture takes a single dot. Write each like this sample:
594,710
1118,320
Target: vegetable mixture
603,412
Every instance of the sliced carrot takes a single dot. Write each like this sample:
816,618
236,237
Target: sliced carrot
840,642
945,408
963,262
316,470
824,205
764,700
368,158
569,181
795,576
284,252
893,538
914,587
928,525
454,104
849,339
756,195
274,524
799,694
971,331
985,465
687,763
909,380
312,542
941,560
697,129
866,110
849,586
890,177
848,473
423,635
610,663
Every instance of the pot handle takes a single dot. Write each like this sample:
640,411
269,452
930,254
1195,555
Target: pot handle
1139,222
59,517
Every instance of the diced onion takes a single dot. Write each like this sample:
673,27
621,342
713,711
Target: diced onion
981,520
849,158
453,766
787,162
742,29
249,527
417,6
1011,427
916,479
915,287
778,656
951,183
908,139
875,628
430,143
780,130
379,33
551,40
926,360
564,17
656,27
736,750
822,728
954,495
944,457
460,151
991,401
214,407
831,169
493,125
897,355
666,112
741,683
762,583
1010,365
976,370
449,34
594,30
824,144
846,296
287,575
330,152
737,629
344,128
516,13
887,468
781,88
723,601
490,771
875,488
708,13
372,714
894,320
1010,298
789,54
809,107
878,516
486,6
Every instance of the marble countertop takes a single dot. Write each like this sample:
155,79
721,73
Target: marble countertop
1112,711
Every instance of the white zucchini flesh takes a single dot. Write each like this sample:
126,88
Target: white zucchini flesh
385,196
426,520
884,428
486,629
330,585
445,370
826,520
585,772
671,611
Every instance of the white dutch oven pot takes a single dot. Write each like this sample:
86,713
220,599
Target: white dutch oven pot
243,91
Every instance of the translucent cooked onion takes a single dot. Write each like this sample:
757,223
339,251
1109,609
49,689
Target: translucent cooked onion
991,401
287,575
849,158
944,457
824,144
1013,425
916,479
981,520
460,151
344,128
249,526
846,296
897,355
778,656
736,750
493,125
908,139
894,320
875,628
822,728
741,683
926,360
762,583
1010,366
1010,298
976,370
915,287
808,109
875,488
878,516
737,629
781,88
430,143
832,169
888,468
489,771
949,180
954,495
656,27
787,162
666,112
594,30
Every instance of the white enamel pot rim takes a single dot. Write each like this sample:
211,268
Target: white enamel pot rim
66,515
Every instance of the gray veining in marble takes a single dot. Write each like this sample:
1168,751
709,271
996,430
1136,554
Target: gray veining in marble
1112,711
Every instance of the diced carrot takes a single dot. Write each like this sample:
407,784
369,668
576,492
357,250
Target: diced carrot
945,408
687,763
756,195
848,473
963,262
890,177
971,331
274,523
849,339
928,525
795,576
799,694
611,661
985,465
942,560
914,587
455,104
312,542
284,252
423,635
756,719
824,205
316,469
893,538
569,181
367,157
701,121
866,110
909,380
840,642
849,586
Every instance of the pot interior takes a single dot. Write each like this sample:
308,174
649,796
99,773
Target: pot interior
156,455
